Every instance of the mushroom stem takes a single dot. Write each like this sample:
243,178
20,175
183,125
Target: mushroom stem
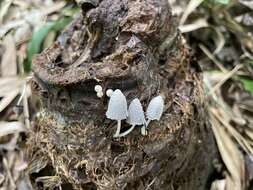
118,129
144,128
127,131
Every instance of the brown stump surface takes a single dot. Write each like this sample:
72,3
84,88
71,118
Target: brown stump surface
134,46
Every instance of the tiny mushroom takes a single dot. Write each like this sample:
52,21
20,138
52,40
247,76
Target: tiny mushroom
100,94
98,88
117,109
135,116
109,92
154,112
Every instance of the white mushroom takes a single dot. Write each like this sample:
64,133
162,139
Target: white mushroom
109,92
98,88
100,94
117,109
135,116
154,112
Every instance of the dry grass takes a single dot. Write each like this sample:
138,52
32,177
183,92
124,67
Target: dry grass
221,38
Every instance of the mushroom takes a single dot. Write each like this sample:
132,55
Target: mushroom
100,94
99,90
154,112
135,116
109,92
117,109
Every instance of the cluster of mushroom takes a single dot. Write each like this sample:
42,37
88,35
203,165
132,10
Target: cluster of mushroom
134,114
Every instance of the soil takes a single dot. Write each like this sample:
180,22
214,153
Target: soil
133,46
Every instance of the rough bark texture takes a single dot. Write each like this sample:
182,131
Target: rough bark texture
134,46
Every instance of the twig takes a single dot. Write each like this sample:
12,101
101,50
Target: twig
212,57
26,109
149,185
225,78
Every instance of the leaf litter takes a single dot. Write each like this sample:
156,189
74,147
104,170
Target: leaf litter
18,22
215,37
223,46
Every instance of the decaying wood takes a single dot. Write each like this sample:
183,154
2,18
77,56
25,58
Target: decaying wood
134,46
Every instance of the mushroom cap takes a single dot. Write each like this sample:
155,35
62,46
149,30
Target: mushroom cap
135,113
98,88
100,94
109,92
117,107
155,108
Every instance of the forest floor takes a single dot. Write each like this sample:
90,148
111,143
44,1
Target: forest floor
220,33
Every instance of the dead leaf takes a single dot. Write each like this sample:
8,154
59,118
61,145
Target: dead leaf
199,23
12,144
10,88
1,178
10,25
4,8
230,154
247,3
23,33
8,172
8,62
192,5
8,84
54,8
5,101
24,185
219,185
7,128
249,166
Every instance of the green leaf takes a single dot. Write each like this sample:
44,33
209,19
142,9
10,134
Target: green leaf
247,84
70,11
35,43
61,23
248,62
225,2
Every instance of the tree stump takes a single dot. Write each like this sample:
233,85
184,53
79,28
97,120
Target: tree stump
134,46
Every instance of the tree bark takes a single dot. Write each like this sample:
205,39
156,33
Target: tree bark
133,46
